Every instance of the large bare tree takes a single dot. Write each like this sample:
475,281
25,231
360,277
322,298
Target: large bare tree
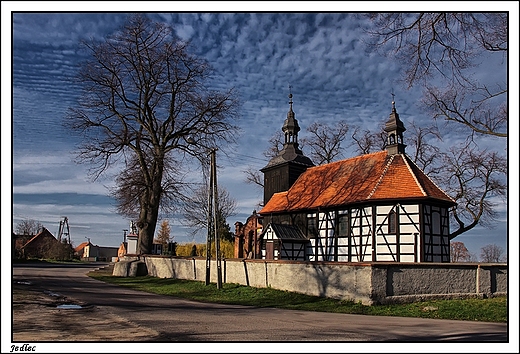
325,141
448,56
474,178
143,95
443,53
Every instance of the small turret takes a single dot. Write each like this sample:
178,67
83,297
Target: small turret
394,128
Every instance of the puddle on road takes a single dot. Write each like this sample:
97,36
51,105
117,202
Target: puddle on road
23,282
50,293
69,307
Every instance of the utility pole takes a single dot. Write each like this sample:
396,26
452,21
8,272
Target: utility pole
210,225
212,216
215,216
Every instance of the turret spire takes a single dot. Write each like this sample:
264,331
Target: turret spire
290,98
290,127
395,128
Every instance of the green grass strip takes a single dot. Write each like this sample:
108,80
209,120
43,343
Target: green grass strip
487,310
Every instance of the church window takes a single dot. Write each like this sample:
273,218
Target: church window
312,225
392,222
343,225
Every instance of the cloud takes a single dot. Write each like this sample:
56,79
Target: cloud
321,55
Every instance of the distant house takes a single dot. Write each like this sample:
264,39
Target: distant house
79,251
89,252
34,246
373,207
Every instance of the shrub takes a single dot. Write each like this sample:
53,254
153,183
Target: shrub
227,249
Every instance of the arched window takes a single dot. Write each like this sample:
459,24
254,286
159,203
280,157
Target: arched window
392,222
392,139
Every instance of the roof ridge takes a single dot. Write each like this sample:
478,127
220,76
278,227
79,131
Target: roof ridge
405,160
381,177
428,177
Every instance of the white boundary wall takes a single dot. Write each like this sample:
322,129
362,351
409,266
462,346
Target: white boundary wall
370,282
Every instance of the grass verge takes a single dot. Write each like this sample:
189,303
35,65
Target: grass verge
487,310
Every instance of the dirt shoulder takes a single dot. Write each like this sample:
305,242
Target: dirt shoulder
37,316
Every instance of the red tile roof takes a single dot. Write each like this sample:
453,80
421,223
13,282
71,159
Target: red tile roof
81,246
372,177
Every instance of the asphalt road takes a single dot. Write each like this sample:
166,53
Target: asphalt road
168,319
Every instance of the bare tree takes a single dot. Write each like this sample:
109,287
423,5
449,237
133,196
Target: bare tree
459,252
491,253
195,210
254,177
448,47
275,145
425,153
143,95
28,227
325,141
473,177
366,142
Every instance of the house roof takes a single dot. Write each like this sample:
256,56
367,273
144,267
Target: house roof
81,246
371,177
43,233
286,232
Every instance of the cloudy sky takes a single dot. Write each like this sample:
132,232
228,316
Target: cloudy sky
321,55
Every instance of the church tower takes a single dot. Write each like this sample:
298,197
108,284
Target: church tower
283,169
394,128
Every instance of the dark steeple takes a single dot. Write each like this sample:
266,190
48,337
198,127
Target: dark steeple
290,127
395,128
283,169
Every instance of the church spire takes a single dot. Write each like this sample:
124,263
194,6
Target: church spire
290,127
394,128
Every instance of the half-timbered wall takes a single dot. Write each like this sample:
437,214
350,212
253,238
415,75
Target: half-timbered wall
436,234
294,251
386,233
397,231
372,233
361,226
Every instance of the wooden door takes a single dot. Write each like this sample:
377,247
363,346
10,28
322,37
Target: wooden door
269,250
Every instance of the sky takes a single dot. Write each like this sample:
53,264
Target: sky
319,52
322,57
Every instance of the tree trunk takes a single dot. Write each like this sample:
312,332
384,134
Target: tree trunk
149,214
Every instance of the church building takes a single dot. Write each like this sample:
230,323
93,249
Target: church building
369,208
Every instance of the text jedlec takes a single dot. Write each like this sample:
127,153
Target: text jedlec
23,348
